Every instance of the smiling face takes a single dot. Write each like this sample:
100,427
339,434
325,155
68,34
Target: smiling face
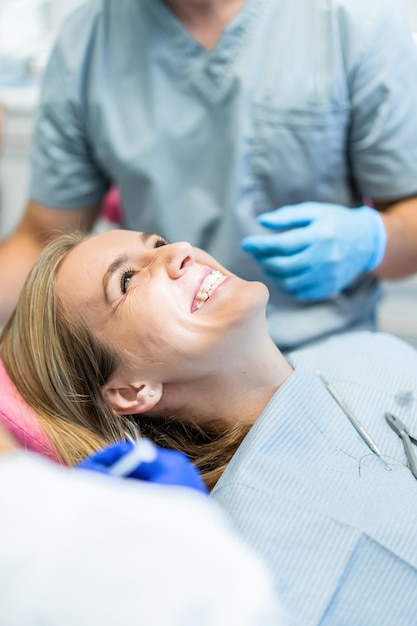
170,309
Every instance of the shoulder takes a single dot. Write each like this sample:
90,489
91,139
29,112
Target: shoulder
368,28
95,25
356,29
81,21
357,11
74,39
371,21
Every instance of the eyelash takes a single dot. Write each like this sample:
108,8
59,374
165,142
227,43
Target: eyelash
128,273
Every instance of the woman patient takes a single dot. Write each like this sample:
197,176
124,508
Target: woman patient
123,324
122,334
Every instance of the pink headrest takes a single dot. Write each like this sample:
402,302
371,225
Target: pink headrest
20,420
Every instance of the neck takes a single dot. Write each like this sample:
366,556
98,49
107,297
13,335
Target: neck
243,395
240,389
205,20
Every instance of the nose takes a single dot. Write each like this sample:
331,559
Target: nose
178,257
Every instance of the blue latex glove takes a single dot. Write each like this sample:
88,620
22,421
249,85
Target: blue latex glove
322,247
144,460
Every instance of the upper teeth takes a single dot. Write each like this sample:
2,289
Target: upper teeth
212,281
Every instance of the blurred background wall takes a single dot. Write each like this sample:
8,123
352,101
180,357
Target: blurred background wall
411,6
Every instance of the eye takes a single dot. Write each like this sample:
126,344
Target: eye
160,241
125,278
127,273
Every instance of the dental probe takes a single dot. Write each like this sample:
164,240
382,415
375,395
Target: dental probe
353,419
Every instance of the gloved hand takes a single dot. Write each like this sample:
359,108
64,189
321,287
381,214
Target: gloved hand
322,249
145,461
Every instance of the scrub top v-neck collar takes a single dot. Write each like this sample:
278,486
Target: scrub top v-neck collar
209,70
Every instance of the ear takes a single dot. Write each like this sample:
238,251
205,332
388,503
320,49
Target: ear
134,398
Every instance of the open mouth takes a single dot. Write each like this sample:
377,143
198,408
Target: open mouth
207,287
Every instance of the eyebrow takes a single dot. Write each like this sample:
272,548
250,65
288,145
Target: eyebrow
117,264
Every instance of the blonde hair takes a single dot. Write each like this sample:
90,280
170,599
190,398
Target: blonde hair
59,368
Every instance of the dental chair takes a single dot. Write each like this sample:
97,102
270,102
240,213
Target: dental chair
21,421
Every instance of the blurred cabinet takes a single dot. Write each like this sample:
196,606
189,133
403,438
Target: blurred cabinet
411,8
19,105
28,29
398,310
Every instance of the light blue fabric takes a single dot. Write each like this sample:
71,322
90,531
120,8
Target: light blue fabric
300,100
337,529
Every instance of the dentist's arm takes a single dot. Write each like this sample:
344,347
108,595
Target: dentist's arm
400,221
22,248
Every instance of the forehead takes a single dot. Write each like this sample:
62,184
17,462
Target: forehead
81,274
109,242
103,247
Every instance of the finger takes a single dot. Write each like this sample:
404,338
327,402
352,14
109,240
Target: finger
304,292
292,284
290,216
286,243
283,266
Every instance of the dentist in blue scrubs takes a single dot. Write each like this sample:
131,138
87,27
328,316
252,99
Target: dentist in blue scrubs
280,136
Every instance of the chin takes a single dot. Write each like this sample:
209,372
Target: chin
253,300
262,290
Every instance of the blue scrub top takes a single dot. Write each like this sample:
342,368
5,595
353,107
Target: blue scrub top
299,100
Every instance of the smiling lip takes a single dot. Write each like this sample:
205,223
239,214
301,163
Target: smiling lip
211,280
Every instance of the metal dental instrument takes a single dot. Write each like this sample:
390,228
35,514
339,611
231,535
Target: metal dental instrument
407,439
353,419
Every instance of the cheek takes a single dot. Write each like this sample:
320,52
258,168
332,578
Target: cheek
145,331
168,346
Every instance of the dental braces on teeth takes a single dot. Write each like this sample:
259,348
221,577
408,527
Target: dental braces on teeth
212,281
